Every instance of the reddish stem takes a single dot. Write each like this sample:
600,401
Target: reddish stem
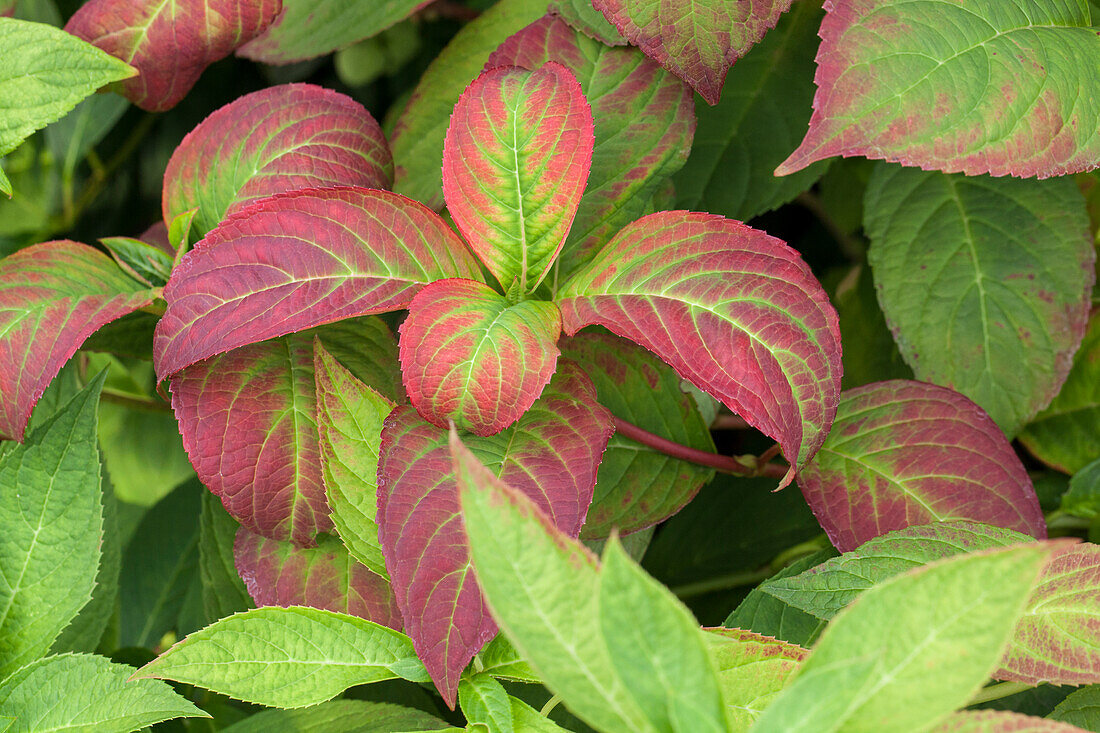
723,464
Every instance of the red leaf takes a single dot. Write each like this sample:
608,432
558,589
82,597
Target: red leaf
734,311
903,453
515,162
275,140
469,356
52,297
1000,721
551,455
170,43
291,262
644,119
279,574
698,40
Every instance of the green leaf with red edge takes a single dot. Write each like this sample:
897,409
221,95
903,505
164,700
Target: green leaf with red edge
639,486
310,28
643,126
170,42
275,140
418,135
515,162
1000,721
469,356
1058,638
248,420
349,425
985,87
551,454
581,15
903,453
7,7
752,671
735,311
1064,435
291,262
278,573
53,296
698,40
972,277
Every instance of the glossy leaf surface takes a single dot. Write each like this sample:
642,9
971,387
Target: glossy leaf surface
170,42
51,526
639,486
52,297
470,356
734,311
989,87
929,658
1064,435
296,261
752,670
277,573
278,139
551,454
417,138
697,40
287,657
971,273
92,693
349,425
307,28
515,162
903,453
46,74
651,672
766,103
643,126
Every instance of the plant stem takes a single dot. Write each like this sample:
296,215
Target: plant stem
997,691
723,582
848,244
550,705
720,463
133,402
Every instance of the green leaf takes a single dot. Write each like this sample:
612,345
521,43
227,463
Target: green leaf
827,588
484,701
765,614
870,354
158,567
968,271
618,647
887,663
500,659
51,525
1064,436
45,73
145,263
223,591
1083,497
72,137
766,103
417,139
752,670
288,657
1081,708
340,716
87,693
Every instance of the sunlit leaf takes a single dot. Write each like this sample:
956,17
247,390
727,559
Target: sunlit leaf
903,453
752,670
272,141
986,87
999,721
734,311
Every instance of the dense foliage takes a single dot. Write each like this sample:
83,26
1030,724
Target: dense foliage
426,375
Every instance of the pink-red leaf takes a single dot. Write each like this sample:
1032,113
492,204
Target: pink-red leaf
903,453
469,356
733,310
643,118
978,87
515,162
170,42
248,420
278,573
1000,721
52,297
698,40
292,262
1058,637
550,454
275,140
